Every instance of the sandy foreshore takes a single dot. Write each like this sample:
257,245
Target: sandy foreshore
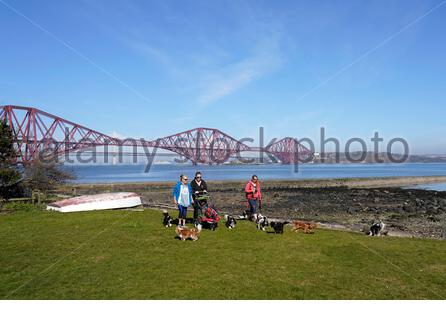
352,204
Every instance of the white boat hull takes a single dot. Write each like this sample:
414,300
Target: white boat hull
97,202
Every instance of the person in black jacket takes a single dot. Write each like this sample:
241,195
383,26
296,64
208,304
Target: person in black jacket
199,187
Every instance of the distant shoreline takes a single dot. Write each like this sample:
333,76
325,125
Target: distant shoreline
254,164
370,182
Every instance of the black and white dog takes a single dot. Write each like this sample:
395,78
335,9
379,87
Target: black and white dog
262,222
167,220
377,229
278,226
230,222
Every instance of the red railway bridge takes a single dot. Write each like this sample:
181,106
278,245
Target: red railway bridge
36,131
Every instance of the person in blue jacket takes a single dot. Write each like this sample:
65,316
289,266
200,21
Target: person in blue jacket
182,196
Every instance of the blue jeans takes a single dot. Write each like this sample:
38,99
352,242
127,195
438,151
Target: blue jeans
182,212
252,206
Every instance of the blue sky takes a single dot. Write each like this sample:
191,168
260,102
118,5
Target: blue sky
153,68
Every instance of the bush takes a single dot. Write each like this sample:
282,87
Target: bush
45,175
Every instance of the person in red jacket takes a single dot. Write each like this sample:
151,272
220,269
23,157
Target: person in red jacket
254,196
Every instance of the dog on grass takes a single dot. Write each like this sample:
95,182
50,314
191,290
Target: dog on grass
262,222
167,220
185,233
246,215
378,229
278,226
307,227
230,222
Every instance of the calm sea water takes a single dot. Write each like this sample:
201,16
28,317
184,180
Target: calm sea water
166,172
433,186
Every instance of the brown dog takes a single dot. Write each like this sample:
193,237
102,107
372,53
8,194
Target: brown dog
185,233
307,227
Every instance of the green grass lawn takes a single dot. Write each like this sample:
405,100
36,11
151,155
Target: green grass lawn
130,255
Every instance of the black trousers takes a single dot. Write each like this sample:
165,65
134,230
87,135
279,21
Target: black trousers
196,210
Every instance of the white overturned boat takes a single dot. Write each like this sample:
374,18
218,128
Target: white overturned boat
97,202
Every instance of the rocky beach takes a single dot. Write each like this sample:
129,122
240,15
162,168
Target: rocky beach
351,204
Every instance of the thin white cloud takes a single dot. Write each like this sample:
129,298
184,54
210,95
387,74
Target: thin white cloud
265,59
206,66
149,51
210,80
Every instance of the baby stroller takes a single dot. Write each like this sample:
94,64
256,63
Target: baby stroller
208,216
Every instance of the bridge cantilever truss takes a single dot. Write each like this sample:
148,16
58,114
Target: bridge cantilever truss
36,131
203,145
288,150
